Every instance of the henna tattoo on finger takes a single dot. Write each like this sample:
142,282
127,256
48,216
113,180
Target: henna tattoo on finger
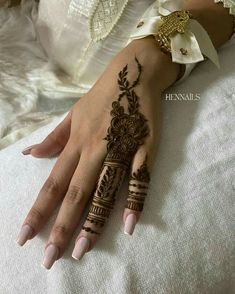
138,187
87,229
127,131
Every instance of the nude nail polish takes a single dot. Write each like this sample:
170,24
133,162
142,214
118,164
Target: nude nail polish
50,256
27,150
25,233
130,224
80,248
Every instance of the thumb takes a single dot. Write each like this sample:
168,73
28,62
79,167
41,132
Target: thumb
54,143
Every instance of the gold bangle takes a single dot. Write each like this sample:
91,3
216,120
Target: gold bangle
173,23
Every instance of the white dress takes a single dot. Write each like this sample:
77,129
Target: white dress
94,31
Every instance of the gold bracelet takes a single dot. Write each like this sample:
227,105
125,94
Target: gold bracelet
173,23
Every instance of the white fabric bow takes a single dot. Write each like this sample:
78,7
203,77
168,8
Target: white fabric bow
195,39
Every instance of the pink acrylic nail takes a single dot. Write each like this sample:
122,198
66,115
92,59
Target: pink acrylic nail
130,224
50,256
80,248
27,150
25,233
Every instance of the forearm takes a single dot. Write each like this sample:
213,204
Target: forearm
215,19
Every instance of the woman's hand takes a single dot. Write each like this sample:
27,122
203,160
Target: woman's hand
109,133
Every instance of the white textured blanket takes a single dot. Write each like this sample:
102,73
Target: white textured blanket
184,242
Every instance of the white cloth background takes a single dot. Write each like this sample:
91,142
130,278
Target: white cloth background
184,242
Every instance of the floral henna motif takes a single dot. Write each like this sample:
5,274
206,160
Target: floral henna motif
127,131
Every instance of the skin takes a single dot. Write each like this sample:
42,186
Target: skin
78,139
12,3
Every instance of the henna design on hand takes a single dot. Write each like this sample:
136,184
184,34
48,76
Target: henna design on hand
127,131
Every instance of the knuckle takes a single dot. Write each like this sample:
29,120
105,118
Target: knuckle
55,137
60,229
35,216
75,194
50,186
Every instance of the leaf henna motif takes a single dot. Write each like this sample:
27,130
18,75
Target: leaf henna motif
106,183
142,173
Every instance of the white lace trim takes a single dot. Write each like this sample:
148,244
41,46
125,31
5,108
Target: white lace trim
104,16
228,4
81,7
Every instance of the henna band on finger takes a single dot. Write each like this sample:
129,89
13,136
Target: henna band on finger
127,131
138,187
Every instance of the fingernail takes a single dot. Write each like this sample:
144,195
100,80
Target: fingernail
25,233
80,248
51,253
130,224
27,150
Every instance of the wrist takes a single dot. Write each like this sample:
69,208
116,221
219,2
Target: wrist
159,66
